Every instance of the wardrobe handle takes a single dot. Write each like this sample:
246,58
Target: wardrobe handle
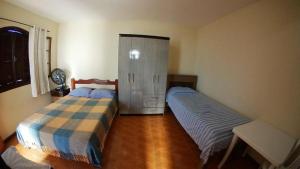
129,78
133,77
158,78
153,79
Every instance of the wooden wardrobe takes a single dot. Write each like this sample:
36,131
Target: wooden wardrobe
142,71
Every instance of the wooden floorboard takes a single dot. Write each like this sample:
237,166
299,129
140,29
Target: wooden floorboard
145,142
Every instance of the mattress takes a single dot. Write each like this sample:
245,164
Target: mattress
72,128
208,122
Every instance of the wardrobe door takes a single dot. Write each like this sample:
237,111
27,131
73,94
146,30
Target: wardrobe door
160,80
155,76
162,69
124,75
137,57
149,73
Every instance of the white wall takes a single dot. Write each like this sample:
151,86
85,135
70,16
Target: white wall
17,104
90,49
250,61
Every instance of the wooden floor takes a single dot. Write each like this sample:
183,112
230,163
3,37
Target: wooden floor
145,142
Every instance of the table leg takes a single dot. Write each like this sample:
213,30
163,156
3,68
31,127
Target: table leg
265,165
201,166
230,148
271,167
246,151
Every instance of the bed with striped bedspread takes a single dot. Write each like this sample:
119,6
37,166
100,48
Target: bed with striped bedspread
72,128
208,122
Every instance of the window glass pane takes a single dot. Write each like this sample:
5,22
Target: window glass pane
14,60
6,76
21,58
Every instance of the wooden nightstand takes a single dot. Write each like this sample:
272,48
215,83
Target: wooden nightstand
2,146
57,94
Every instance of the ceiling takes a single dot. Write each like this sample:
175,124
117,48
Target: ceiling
189,12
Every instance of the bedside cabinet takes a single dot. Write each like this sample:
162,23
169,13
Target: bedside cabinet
57,94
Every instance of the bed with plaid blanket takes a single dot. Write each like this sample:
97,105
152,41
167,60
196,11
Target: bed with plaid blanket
72,128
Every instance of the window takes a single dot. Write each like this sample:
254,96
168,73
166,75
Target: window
14,60
48,51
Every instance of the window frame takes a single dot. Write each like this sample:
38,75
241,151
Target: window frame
13,62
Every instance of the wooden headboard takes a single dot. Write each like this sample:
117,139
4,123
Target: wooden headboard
182,80
94,81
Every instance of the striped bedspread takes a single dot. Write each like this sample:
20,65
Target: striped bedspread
72,128
208,122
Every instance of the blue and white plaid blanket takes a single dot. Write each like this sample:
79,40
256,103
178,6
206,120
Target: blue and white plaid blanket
72,128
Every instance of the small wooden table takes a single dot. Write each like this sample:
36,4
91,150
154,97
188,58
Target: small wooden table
273,144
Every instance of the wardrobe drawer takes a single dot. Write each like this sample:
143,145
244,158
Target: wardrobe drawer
159,110
154,101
